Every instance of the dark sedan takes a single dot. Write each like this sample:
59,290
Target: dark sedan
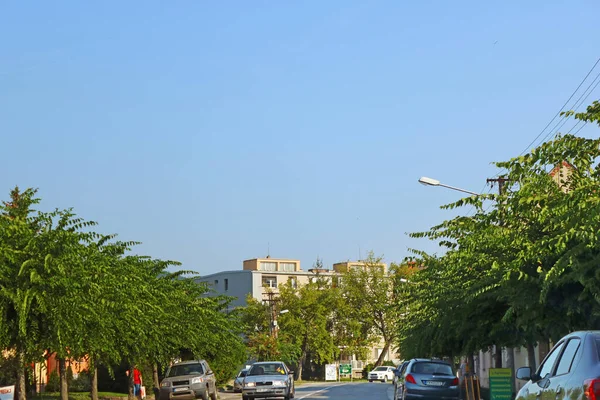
426,379
571,371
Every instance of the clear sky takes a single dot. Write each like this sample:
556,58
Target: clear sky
211,131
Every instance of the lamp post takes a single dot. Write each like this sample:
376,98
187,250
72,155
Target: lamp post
274,326
434,182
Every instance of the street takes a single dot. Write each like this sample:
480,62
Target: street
334,391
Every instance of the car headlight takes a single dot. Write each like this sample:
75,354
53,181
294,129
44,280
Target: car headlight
196,380
278,383
250,384
165,384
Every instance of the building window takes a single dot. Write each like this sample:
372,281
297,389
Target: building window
269,281
293,282
216,282
268,266
356,267
226,284
287,266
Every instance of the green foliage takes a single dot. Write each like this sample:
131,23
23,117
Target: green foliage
522,272
53,384
70,291
369,309
82,383
366,369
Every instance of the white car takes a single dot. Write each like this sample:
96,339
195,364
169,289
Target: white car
383,374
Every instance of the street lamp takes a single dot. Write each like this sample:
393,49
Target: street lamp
434,182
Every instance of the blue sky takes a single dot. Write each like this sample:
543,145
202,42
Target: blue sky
211,131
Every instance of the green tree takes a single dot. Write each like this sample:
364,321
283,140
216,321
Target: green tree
307,326
371,303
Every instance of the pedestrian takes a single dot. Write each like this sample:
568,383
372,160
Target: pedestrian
137,382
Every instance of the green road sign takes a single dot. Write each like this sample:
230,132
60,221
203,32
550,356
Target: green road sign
500,384
345,369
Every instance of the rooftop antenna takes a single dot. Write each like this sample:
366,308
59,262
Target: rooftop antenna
359,254
268,250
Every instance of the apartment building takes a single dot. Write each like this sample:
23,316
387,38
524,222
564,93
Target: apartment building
261,275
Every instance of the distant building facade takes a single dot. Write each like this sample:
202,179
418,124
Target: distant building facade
259,276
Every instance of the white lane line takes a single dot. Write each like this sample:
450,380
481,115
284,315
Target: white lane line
318,391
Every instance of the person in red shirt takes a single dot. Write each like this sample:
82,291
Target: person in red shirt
137,382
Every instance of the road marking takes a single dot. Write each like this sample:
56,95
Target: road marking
319,391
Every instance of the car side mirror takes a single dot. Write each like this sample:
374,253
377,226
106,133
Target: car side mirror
525,373
209,372
291,373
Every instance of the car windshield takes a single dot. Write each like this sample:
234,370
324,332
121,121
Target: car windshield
432,368
380,369
243,373
267,369
185,369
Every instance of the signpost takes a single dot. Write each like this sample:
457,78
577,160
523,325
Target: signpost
7,393
500,384
331,372
346,369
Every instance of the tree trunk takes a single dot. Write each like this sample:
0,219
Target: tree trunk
21,379
300,365
155,381
498,357
471,364
386,348
130,395
531,356
94,391
510,363
64,385
544,349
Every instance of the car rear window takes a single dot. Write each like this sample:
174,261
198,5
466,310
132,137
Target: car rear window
380,369
431,368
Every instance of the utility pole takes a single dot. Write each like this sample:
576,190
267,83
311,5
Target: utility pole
500,181
510,359
272,301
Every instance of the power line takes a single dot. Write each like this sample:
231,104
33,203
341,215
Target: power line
576,105
561,109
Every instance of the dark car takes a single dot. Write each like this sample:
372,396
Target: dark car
268,379
428,379
571,371
398,372
189,380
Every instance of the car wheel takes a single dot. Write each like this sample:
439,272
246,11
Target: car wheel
204,395
213,395
245,397
370,380
385,379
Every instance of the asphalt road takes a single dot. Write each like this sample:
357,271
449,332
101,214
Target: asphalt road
335,391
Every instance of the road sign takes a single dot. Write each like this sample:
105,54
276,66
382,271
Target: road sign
7,392
500,384
330,372
345,369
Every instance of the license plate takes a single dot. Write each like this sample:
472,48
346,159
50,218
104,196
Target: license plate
434,383
180,389
262,390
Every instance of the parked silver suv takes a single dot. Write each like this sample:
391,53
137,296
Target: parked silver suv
189,380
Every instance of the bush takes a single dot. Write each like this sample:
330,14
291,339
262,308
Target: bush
53,384
82,383
367,368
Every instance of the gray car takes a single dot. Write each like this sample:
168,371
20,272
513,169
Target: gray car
428,379
238,383
268,379
189,380
571,371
